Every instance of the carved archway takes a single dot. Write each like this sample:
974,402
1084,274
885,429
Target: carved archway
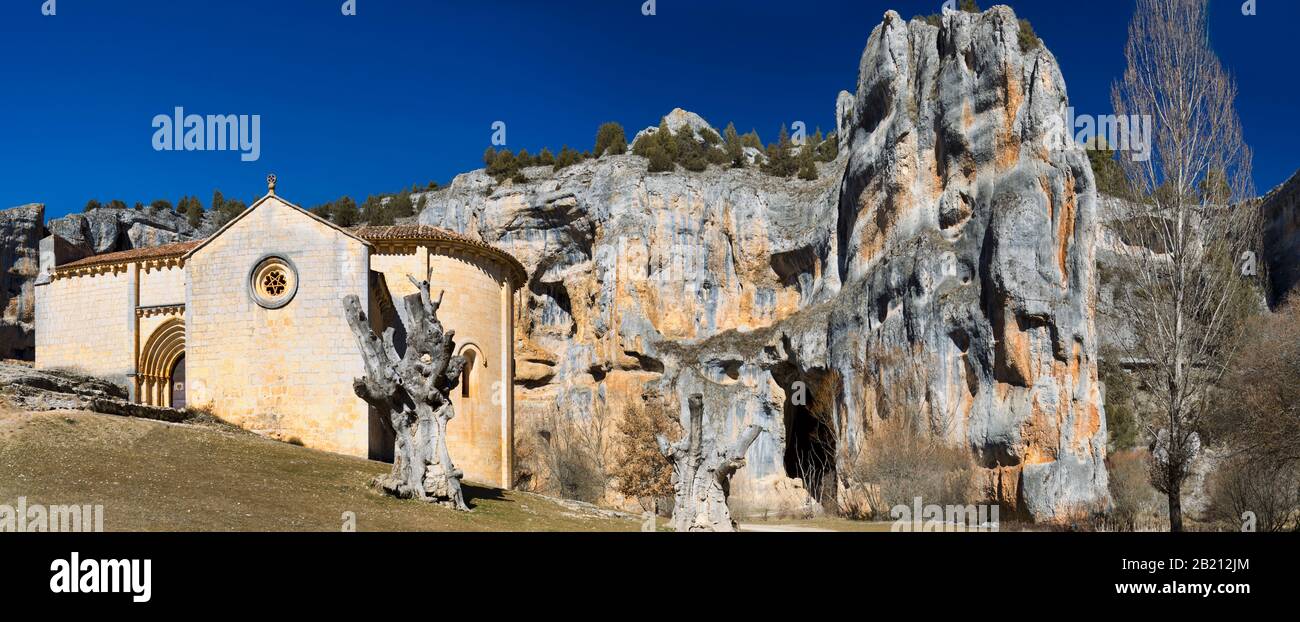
157,360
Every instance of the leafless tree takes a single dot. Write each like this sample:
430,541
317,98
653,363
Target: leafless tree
412,393
1188,229
702,471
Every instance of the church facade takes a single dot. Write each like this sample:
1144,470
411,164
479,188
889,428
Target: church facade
250,325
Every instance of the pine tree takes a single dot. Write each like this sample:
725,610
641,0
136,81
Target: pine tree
194,212
568,157
373,212
344,212
780,162
807,163
829,149
732,144
400,206
667,141
690,153
545,157
610,140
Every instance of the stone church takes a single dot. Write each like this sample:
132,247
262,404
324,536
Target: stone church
249,323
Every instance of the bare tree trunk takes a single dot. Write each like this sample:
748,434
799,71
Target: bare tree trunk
412,393
702,478
1176,507
1181,237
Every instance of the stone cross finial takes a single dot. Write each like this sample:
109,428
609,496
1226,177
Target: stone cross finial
270,183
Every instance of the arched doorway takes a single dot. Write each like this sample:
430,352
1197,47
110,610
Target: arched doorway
160,358
178,383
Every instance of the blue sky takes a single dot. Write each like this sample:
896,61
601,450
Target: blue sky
407,90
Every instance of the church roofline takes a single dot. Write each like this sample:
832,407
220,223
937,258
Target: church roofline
426,234
148,253
180,252
272,195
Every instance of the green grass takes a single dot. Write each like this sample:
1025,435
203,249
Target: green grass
154,476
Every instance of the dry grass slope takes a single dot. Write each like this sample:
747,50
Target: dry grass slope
153,476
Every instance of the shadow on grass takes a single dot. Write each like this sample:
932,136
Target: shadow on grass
474,494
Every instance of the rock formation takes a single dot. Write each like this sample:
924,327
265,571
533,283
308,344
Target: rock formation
702,470
42,390
943,265
21,229
412,392
107,229
1281,216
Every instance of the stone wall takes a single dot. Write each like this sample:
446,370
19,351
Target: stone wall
162,286
285,372
85,323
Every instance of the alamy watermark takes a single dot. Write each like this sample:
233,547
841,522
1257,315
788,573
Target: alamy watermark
35,517
918,517
102,576
1127,133
214,132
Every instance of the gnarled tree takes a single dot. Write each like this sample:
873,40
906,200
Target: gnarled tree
412,392
702,478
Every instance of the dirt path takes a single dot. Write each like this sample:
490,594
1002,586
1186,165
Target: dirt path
778,528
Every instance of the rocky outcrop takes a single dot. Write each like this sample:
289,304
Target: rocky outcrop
21,229
43,390
106,229
1280,211
942,268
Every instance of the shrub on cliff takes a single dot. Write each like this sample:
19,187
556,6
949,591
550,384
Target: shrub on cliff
733,147
780,161
342,212
967,6
1028,39
808,162
610,140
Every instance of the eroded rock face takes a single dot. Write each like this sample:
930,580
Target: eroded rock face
968,223
1281,215
21,229
944,262
107,230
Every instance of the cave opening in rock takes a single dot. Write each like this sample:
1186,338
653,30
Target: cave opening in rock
810,441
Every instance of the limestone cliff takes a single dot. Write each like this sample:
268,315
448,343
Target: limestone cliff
107,229
21,229
1281,216
945,261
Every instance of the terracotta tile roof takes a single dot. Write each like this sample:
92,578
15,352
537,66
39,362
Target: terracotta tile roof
164,251
427,233
413,233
